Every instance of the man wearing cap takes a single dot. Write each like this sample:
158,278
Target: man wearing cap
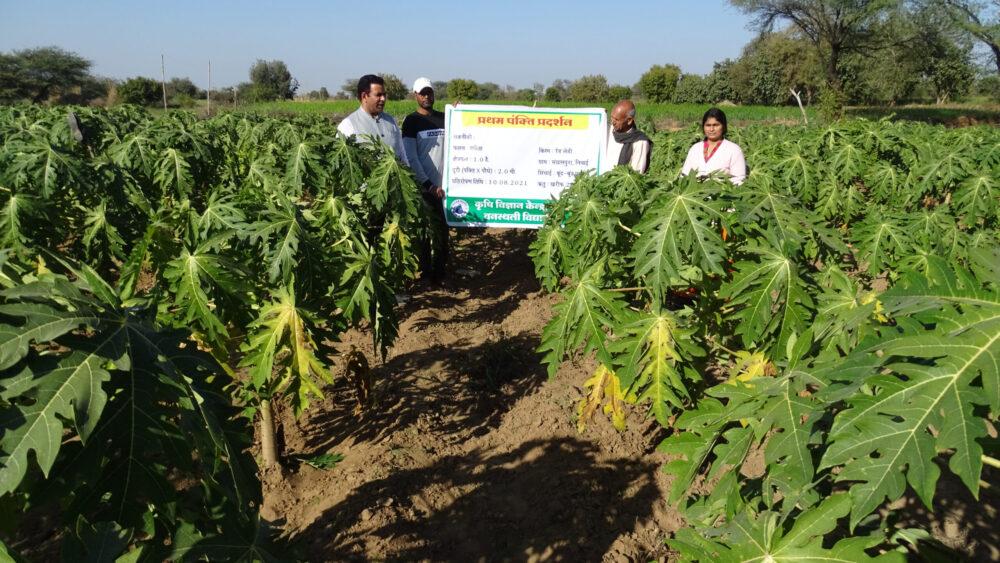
423,141
369,119
626,143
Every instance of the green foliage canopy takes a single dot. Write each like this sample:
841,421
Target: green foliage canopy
659,82
140,91
40,74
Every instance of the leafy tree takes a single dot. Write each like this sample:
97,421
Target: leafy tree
834,27
562,86
140,91
440,87
462,89
989,86
719,83
691,89
248,92
182,92
271,80
394,87
552,94
524,95
489,91
323,93
619,92
979,19
184,86
224,95
40,74
772,65
924,56
659,82
591,88
350,87
942,57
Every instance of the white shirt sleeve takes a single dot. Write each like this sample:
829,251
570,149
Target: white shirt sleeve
345,127
691,162
410,146
737,165
640,154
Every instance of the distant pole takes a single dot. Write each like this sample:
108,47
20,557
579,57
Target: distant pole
208,93
163,81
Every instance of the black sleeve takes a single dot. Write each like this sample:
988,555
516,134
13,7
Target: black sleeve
410,126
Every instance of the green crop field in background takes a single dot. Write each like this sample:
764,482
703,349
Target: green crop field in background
677,114
670,116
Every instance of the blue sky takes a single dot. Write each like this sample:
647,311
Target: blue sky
513,42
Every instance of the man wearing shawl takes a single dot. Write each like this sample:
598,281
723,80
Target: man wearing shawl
626,143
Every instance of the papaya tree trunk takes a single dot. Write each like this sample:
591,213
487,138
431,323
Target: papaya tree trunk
268,446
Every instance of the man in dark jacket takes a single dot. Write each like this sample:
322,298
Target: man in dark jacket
423,141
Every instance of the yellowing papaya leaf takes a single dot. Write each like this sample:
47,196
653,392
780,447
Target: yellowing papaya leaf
604,384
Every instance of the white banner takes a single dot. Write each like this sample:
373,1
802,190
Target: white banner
503,163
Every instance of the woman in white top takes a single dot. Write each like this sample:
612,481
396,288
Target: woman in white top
715,152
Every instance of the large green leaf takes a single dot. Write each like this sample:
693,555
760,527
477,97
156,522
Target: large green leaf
281,351
582,319
649,350
940,370
173,173
279,230
760,538
192,276
769,297
552,256
141,401
304,170
681,228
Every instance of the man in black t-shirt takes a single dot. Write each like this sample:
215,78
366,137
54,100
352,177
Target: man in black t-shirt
423,141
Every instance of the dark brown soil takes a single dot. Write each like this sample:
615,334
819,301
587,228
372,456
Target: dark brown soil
470,452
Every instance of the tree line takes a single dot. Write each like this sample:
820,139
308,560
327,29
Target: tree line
835,52
52,75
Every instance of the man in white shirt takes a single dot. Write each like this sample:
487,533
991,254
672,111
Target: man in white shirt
369,119
626,143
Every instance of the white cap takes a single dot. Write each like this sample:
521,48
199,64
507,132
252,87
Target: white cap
421,83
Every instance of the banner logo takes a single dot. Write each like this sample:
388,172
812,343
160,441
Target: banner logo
459,208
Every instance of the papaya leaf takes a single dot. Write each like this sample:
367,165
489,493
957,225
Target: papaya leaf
582,320
771,301
949,364
649,351
677,231
281,351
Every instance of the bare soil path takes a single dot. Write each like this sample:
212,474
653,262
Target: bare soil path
471,452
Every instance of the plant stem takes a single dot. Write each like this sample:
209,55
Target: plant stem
620,224
991,461
267,443
627,289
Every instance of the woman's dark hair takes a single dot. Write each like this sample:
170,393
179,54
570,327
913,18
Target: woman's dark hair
719,116
366,81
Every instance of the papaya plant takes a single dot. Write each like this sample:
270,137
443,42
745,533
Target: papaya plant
836,314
